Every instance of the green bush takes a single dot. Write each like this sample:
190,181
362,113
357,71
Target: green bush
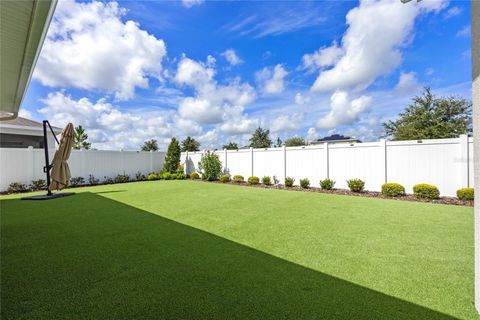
253,180
266,181
38,184
327,184
356,185
92,180
172,157
305,183
173,176
180,169
77,181
289,182
238,178
180,176
16,187
427,191
393,189
225,178
152,176
210,166
166,176
122,178
109,180
194,176
465,194
139,176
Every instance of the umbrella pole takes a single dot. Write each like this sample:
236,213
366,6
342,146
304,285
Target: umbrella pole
46,169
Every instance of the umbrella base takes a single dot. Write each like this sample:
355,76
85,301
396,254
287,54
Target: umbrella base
49,196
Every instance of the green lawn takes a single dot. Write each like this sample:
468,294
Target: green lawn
194,250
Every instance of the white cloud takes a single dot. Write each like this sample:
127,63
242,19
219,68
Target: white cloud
452,12
107,126
283,124
464,32
236,122
231,56
211,100
343,111
24,113
312,134
185,127
301,99
89,47
324,57
371,45
192,3
407,83
272,80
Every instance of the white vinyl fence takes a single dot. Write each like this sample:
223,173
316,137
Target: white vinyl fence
25,165
445,163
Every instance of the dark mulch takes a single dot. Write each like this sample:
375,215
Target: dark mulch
368,194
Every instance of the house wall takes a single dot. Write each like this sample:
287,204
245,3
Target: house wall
25,165
445,163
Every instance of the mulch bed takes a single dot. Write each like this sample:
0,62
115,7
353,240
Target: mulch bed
367,194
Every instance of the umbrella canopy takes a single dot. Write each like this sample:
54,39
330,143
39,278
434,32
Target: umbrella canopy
60,171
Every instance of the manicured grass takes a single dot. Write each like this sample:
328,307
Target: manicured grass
194,250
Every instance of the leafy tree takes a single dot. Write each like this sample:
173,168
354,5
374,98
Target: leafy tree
80,139
428,117
190,144
260,139
278,143
295,142
210,166
230,146
172,158
150,145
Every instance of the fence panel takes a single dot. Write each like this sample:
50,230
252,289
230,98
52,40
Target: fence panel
267,162
306,162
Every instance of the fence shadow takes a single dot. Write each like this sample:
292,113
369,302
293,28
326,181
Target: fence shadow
87,256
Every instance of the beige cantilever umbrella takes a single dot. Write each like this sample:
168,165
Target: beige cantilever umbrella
60,171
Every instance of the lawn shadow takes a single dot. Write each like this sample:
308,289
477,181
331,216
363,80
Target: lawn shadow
91,257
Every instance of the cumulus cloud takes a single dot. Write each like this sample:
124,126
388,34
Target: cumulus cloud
272,80
371,46
107,126
301,99
286,123
231,56
312,134
236,122
464,32
192,3
452,12
211,101
407,83
88,46
343,111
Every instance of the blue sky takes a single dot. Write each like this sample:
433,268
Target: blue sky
130,71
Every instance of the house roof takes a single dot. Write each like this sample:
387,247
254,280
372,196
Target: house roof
23,28
25,123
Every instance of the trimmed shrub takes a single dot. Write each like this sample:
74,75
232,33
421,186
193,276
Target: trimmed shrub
173,176
289,182
152,176
166,176
38,184
253,180
225,178
139,176
238,178
109,180
180,169
356,185
92,180
327,184
426,191
180,176
465,194
77,181
305,183
210,166
275,180
266,181
194,176
122,178
16,187
393,189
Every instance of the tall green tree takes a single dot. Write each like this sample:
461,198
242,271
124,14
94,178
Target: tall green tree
172,157
230,146
295,142
150,145
278,143
260,138
190,144
428,117
80,139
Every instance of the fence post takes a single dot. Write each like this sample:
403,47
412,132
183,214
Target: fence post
251,160
32,159
464,161
383,154
284,156
225,166
326,159
151,161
